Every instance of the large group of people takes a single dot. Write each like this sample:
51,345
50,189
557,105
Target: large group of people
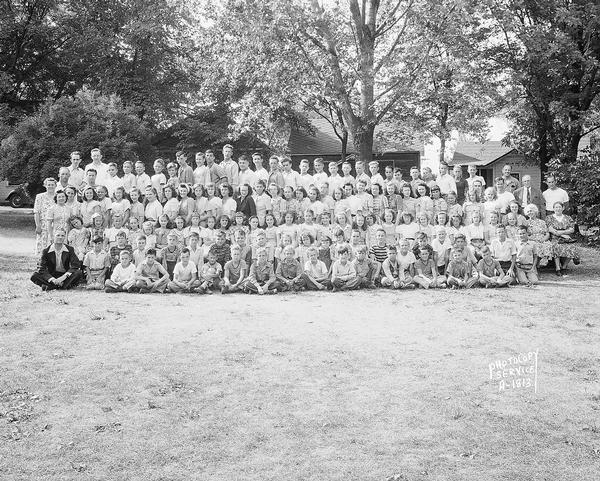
236,226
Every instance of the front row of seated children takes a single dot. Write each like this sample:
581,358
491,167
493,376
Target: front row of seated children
235,269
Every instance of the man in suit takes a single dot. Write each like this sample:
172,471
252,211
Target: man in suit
530,195
59,267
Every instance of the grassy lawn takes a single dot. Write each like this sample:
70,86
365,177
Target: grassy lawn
313,386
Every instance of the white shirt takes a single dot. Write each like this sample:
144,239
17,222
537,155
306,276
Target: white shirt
319,178
317,270
551,196
111,184
291,178
184,274
101,171
248,177
305,180
262,174
504,199
122,274
470,181
77,175
202,175
446,184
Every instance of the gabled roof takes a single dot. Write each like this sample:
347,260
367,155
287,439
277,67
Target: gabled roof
325,142
478,153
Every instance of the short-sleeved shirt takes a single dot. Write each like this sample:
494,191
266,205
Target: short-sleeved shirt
525,252
184,273
406,260
96,260
154,272
121,274
380,253
234,272
552,196
489,270
503,251
318,270
457,269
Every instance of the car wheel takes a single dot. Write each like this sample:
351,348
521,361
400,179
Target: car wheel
16,200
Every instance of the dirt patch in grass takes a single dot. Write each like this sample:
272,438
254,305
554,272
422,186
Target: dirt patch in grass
316,386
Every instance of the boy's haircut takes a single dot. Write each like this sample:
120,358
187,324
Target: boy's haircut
139,162
414,167
361,162
257,154
381,230
160,161
243,157
312,249
318,160
141,237
501,226
392,248
304,161
497,180
333,162
97,240
343,249
361,248
485,250
285,160
235,247
151,252
195,234
260,233
112,164
338,232
288,248
73,217
363,182
326,237
522,227
347,163
397,169
261,250
91,169
421,235
121,234
460,236
209,151
171,235
128,162
185,250
124,251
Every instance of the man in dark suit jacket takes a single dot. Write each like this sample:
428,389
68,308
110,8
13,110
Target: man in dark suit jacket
530,195
59,267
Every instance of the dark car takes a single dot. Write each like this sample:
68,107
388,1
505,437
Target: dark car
14,194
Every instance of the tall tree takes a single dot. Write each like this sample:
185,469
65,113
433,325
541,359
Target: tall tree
552,50
363,58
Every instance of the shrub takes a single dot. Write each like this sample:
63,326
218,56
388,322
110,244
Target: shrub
582,180
42,142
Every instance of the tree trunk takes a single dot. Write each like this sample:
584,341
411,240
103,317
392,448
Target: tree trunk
363,142
344,140
442,148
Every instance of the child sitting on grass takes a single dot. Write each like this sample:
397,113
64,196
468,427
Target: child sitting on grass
343,273
151,276
490,270
316,273
262,277
185,274
123,275
459,271
96,264
211,274
426,274
235,271
289,272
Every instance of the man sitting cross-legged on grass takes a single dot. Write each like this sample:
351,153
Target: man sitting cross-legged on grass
151,276
59,267
122,278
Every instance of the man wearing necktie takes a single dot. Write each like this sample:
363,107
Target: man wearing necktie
527,194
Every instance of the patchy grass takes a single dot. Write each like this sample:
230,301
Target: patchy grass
318,386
